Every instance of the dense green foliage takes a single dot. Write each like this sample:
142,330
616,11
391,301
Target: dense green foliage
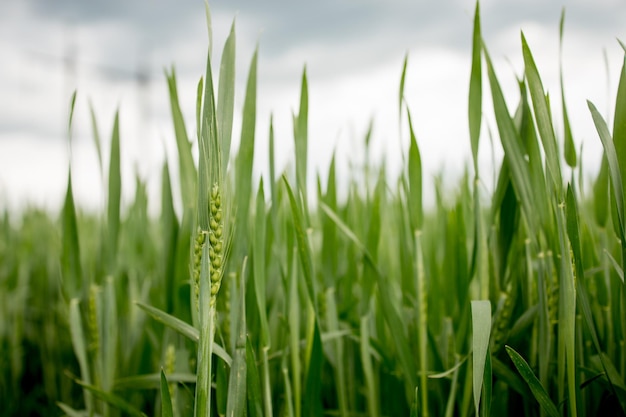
259,300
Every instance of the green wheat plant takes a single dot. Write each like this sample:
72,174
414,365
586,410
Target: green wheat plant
290,297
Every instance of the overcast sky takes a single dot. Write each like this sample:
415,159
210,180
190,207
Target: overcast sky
114,53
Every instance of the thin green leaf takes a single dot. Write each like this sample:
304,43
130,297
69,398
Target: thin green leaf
481,326
542,115
301,127
237,383
535,386
166,400
112,399
114,195
80,347
415,181
183,328
304,249
151,381
226,97
474,107
569,148
614,166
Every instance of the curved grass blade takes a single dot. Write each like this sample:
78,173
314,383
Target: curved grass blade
112,399
535,386
186,166
542,115
513,150
70,412
614,167
183,328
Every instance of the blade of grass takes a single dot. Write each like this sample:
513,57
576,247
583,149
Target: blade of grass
186,166
245,158
236,403
512,148
166,400
535,386
569,147
542,115
226,97
80,350
114,195
481,325
474,107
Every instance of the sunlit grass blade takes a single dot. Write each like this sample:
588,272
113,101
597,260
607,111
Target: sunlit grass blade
535,386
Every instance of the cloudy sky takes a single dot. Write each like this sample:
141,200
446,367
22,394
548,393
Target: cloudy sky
114,53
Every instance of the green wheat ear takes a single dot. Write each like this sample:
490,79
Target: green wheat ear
216,242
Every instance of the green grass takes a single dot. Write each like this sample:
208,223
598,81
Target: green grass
262,299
